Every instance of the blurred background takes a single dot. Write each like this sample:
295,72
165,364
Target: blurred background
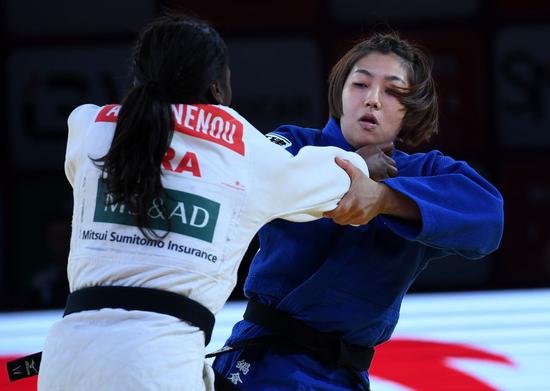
492,66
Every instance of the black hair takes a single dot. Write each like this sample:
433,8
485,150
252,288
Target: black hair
175,60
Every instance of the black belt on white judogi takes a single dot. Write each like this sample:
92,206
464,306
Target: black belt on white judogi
128,298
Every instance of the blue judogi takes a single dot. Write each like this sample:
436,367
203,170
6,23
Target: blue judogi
352,280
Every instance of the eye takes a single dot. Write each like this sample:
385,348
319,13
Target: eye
360,85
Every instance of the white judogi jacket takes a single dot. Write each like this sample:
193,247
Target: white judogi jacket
225,180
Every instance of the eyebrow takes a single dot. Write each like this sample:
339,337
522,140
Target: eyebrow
389,78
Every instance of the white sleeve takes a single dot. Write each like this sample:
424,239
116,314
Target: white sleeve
302,187
78,122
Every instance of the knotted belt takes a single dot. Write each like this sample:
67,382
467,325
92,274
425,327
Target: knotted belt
288,332
128,298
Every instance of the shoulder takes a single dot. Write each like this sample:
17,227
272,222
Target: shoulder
418,157
233,116
83,113
82,118
231,112
428,163
82,125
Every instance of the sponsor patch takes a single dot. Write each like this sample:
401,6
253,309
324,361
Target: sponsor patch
188,214
278,139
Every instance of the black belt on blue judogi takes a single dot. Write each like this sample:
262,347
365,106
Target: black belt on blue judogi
290,334
128,298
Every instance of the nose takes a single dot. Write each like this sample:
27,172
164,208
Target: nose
372,99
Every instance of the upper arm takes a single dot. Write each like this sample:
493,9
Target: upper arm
78,122
301,187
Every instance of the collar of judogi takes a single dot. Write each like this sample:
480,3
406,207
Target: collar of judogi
332,135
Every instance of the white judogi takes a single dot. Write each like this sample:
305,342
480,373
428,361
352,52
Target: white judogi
226,180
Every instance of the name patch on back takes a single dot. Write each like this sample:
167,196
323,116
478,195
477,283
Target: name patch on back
206,122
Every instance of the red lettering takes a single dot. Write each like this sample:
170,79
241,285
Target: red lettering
189,162
108,113
206,122
170,154
210,123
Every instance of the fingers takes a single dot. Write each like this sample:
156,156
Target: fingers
349,168
350,211
370,150
367,150
387,148
389,160
350,216
343,212
391,167
343,206
356,219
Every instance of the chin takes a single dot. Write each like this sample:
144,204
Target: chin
366,141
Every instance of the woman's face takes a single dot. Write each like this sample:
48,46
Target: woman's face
371,115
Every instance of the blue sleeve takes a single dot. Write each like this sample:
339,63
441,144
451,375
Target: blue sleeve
461,212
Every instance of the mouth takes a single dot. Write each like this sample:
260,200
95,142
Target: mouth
368,121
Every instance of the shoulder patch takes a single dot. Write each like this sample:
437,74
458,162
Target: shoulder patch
108,113
278,139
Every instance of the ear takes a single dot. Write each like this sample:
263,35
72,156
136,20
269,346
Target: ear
216,92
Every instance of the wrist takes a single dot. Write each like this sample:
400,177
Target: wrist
395,204
386,199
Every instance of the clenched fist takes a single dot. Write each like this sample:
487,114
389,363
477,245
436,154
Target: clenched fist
378,158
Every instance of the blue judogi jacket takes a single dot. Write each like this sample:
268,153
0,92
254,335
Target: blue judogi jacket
352,279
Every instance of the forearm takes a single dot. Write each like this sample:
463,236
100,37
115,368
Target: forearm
396,204
466,217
